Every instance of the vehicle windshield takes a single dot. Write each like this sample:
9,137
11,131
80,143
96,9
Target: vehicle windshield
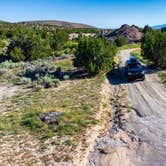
133,59
134,65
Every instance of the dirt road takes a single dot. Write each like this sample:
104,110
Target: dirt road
136,137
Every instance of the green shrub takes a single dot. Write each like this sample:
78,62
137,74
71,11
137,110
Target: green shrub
29,44
146,29
47,81
47,134
70,123
95,54
17,55
10,65
162,75
2,44
70,47
70,142
41,72
58,40
32,121
120,41
154,47
68,129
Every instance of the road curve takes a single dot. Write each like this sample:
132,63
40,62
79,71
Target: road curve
147,121
149,100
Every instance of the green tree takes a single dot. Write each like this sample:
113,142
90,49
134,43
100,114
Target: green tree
33,46
120,41
95,54
154,47
146,29
163,29
58,40
2,44
17,55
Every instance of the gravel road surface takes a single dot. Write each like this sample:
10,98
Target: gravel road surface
140,140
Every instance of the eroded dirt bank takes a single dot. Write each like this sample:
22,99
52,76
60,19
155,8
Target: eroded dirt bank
137,134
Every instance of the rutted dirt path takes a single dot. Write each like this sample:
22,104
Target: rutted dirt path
7,91
137,134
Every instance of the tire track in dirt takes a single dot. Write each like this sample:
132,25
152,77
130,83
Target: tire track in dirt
143,140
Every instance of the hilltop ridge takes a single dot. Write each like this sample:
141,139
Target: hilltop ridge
61,24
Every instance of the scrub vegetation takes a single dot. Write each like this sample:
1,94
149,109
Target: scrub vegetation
154,46
54,102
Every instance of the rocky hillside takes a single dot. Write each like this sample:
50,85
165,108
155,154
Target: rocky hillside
131,33
61,24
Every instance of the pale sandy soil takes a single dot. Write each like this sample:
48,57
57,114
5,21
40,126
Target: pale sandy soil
140,140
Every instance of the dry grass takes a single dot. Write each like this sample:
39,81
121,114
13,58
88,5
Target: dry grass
65,64
130,46
162,76
79,102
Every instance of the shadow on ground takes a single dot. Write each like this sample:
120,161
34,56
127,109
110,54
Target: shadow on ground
76,74
118,77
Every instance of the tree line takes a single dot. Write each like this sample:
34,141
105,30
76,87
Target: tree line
26,44
154,46
96,54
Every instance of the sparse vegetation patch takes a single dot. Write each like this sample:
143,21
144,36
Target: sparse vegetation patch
163,76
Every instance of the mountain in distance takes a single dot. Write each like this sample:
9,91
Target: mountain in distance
4,22
61,24
159,26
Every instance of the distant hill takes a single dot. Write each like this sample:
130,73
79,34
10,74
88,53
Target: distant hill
159,26
130,33
61,24
4,22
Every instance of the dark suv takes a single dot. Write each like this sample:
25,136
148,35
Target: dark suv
134,69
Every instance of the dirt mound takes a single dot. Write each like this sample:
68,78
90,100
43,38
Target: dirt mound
132,34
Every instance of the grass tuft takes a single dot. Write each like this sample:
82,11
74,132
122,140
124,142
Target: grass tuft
130,46
162,75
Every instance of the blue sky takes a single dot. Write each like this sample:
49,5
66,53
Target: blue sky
100,13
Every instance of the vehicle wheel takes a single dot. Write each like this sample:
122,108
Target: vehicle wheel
129,79
143,78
